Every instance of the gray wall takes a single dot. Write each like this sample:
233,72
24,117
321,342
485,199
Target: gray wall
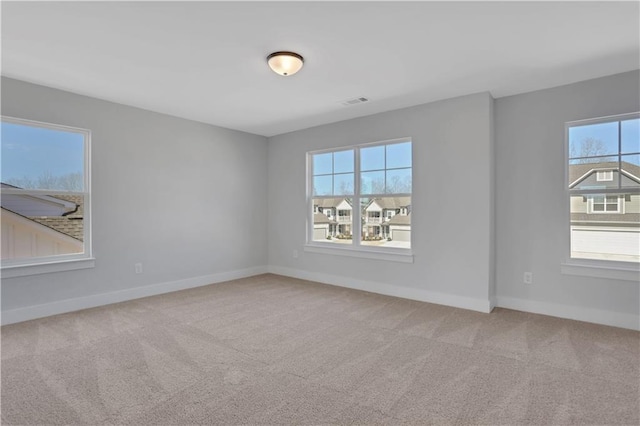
531,203
452,193
483,206
186,199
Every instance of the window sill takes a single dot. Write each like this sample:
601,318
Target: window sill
403,257
625,272
46,268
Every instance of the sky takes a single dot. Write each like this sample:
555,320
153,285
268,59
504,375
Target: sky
608,134
31,151
334,171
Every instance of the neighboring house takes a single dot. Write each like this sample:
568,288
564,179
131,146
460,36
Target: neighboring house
331,217
607,225
382,218
388,217
41,225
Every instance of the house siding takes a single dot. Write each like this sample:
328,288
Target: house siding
633,205
578,204
630,211
23,238
592,181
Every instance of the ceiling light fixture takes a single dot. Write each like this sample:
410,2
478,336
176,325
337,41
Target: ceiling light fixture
285,63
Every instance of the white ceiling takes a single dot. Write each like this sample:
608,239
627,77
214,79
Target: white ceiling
205,61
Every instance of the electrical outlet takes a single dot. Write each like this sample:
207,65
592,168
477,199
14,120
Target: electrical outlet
138,267
528,278
295,254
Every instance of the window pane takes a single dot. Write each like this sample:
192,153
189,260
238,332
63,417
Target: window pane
386,222
399,155
583,173
631,135
343,184
322,164
322,185
36,225
631,171
333,217
593,139
372,158
332,220
604,233
398,181
605,227
343,162
372,182
39,158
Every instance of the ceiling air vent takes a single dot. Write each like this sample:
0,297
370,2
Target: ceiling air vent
355,101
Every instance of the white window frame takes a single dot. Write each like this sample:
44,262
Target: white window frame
596,268
619,204
604,176
356,249
66,262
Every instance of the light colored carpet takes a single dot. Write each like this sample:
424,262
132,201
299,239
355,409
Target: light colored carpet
276,350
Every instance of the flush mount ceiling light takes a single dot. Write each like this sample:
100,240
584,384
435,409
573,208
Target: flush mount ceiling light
285,63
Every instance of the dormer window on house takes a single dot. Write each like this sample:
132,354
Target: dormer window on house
603,170
369,189
604,175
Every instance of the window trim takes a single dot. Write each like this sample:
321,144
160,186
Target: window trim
612,269
604,175
619,204
65,262
594,268
356,249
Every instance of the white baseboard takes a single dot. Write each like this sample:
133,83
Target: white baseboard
596,316
493,302
479,305
69,305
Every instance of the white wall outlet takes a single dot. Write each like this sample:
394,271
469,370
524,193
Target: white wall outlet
295,254
528,278
138,267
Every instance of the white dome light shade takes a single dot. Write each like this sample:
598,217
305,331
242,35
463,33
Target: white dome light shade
285,63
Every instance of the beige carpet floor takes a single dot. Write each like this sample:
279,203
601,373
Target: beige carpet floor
276,350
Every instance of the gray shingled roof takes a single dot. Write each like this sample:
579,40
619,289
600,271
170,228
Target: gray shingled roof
400,220
576,171
330,202
606,217
321,218
71,225
392,202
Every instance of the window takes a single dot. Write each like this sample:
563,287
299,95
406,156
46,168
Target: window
605,204
604,176
45,196
373,217
369,186
603,181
